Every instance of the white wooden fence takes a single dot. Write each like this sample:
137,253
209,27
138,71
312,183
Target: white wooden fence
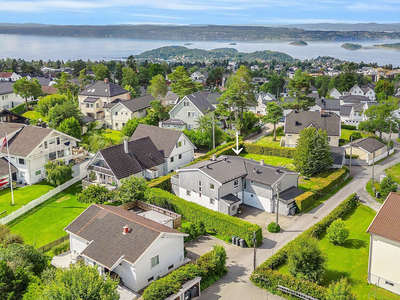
41,199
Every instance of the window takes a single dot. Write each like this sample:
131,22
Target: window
60,153
97,105
185,103
170,267
58,141
21,161
188,193
180,156
180,144
22,174
212,201
116,113
91,105
87,105
155,261
329,138
289,135
126,114
52,155
244,185
235,183
52,141
172,159
389,283
38,172
150,279
123,124
212,186
189,126
116,124
199,194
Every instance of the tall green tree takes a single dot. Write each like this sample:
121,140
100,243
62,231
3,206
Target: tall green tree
300,88
131,126
312,152
63,111
340,290
214,78
156,69
118,73
27,89
13,283
132,188
158,87
57,172
274,86
71,127
239,94
131,63
64,85
46,103
384,89
101,72
274,115
129,77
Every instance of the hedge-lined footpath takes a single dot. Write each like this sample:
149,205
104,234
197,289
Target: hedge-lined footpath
210,267
265,150
325,186
223,224
165,181
266,276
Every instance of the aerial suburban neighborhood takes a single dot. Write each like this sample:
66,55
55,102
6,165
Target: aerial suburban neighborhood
179,162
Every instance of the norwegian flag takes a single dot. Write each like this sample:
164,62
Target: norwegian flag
3,143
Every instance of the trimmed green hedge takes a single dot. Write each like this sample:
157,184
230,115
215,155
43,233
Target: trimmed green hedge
326,185
349,127
266,276
223,224
264,150
210,267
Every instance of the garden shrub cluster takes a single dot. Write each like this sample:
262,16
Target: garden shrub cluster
272,227
325,186
265,150
194,231
266,276
61,248
223,224
210,267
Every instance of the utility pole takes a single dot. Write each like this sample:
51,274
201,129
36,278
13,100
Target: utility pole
390,136
351,151
255,253
213,131
278,189
373,168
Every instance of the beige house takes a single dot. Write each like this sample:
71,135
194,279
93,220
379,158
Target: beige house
384,251
296,121
94,97
367,149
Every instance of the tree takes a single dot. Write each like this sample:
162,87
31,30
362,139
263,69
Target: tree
312,152
160,111
8,238
131,126
178,74
185,86
64,85
214,78
131,63
355,136
27,89
118,73
101,72
274,85
156,69
337,233
57,172
158,87
240,93
305,259
63,111
78,281
340,290
300,88
46,103
130,78
387,186
95,194
13,284
274,115
132,188
71,127
384,89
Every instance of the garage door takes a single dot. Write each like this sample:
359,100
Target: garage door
257,202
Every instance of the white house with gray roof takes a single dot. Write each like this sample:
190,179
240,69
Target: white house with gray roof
189,109
8,99
224,183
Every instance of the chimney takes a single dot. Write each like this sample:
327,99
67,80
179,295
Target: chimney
106,80
126,229
322,112
261,162
126,148
129,96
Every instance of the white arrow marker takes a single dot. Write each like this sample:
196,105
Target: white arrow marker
237,150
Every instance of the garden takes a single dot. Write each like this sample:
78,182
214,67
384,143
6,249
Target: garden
271,160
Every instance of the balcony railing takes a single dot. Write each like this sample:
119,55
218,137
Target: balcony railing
50,149
87,181
99,169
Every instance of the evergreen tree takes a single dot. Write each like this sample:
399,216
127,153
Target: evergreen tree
300,88
158,87
71,127
273,116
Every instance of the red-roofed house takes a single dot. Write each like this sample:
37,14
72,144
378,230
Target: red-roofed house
9,76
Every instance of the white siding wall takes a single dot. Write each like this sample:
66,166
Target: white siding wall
195,197
181,112
77,244
10,100
187,152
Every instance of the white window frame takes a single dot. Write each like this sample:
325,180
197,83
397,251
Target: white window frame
154,261
236,183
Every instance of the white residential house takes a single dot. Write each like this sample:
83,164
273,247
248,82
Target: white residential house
170,99
119,112
174,145
31,147
196,76
9,76
116,240
8,99
384,247
189,109
262,101
366,91
334,93
223,184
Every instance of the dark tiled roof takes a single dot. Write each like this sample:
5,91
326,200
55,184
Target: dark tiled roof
164,139
88,119
5,112
345,110
6,87
138,103
354,98
330,104
91,99
174,122
337,154
102,225
112,103
230,199
9,128
369,144
142,155
289,195
359,107
103,89
386,222
200,102
297,121
4,167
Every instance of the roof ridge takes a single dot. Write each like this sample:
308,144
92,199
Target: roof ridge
89,222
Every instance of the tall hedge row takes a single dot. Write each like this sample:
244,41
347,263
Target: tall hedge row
266,276
214,221
264,150
325,186
210,267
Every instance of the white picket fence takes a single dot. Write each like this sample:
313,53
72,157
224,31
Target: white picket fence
41,199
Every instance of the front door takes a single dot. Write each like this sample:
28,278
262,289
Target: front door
14,176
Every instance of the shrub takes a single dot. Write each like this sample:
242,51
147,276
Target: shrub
349,127
213,220
61,248
95,194
387,185
337,233
305,200
340,290
355,135
279,131
272,227
131,188
264,150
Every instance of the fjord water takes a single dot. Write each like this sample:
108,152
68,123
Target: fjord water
65,48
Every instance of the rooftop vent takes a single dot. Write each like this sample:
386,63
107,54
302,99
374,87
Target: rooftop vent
106,80
126,148
126,229
214,158
297,123
277,170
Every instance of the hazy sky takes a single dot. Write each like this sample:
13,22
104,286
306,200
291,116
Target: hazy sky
102,12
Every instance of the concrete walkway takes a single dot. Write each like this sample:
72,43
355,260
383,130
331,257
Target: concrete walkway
236,284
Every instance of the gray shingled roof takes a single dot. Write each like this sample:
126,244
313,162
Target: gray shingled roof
200,102
164,139
103,89
345,110
112,103
354,99
138,103
142,155
368,144
9,128
290,194
329,104
174,122
337,154
359,107
171,96
6,87
4,167
297,121
102,225
230,199
91,99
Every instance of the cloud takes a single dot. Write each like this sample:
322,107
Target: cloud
158,16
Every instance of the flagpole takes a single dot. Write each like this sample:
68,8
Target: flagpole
9,170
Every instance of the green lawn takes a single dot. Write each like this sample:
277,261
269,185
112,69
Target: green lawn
45,223
394,171
22,196
351,259
268,141
271,160
345,134
314,182
34,115
108,134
